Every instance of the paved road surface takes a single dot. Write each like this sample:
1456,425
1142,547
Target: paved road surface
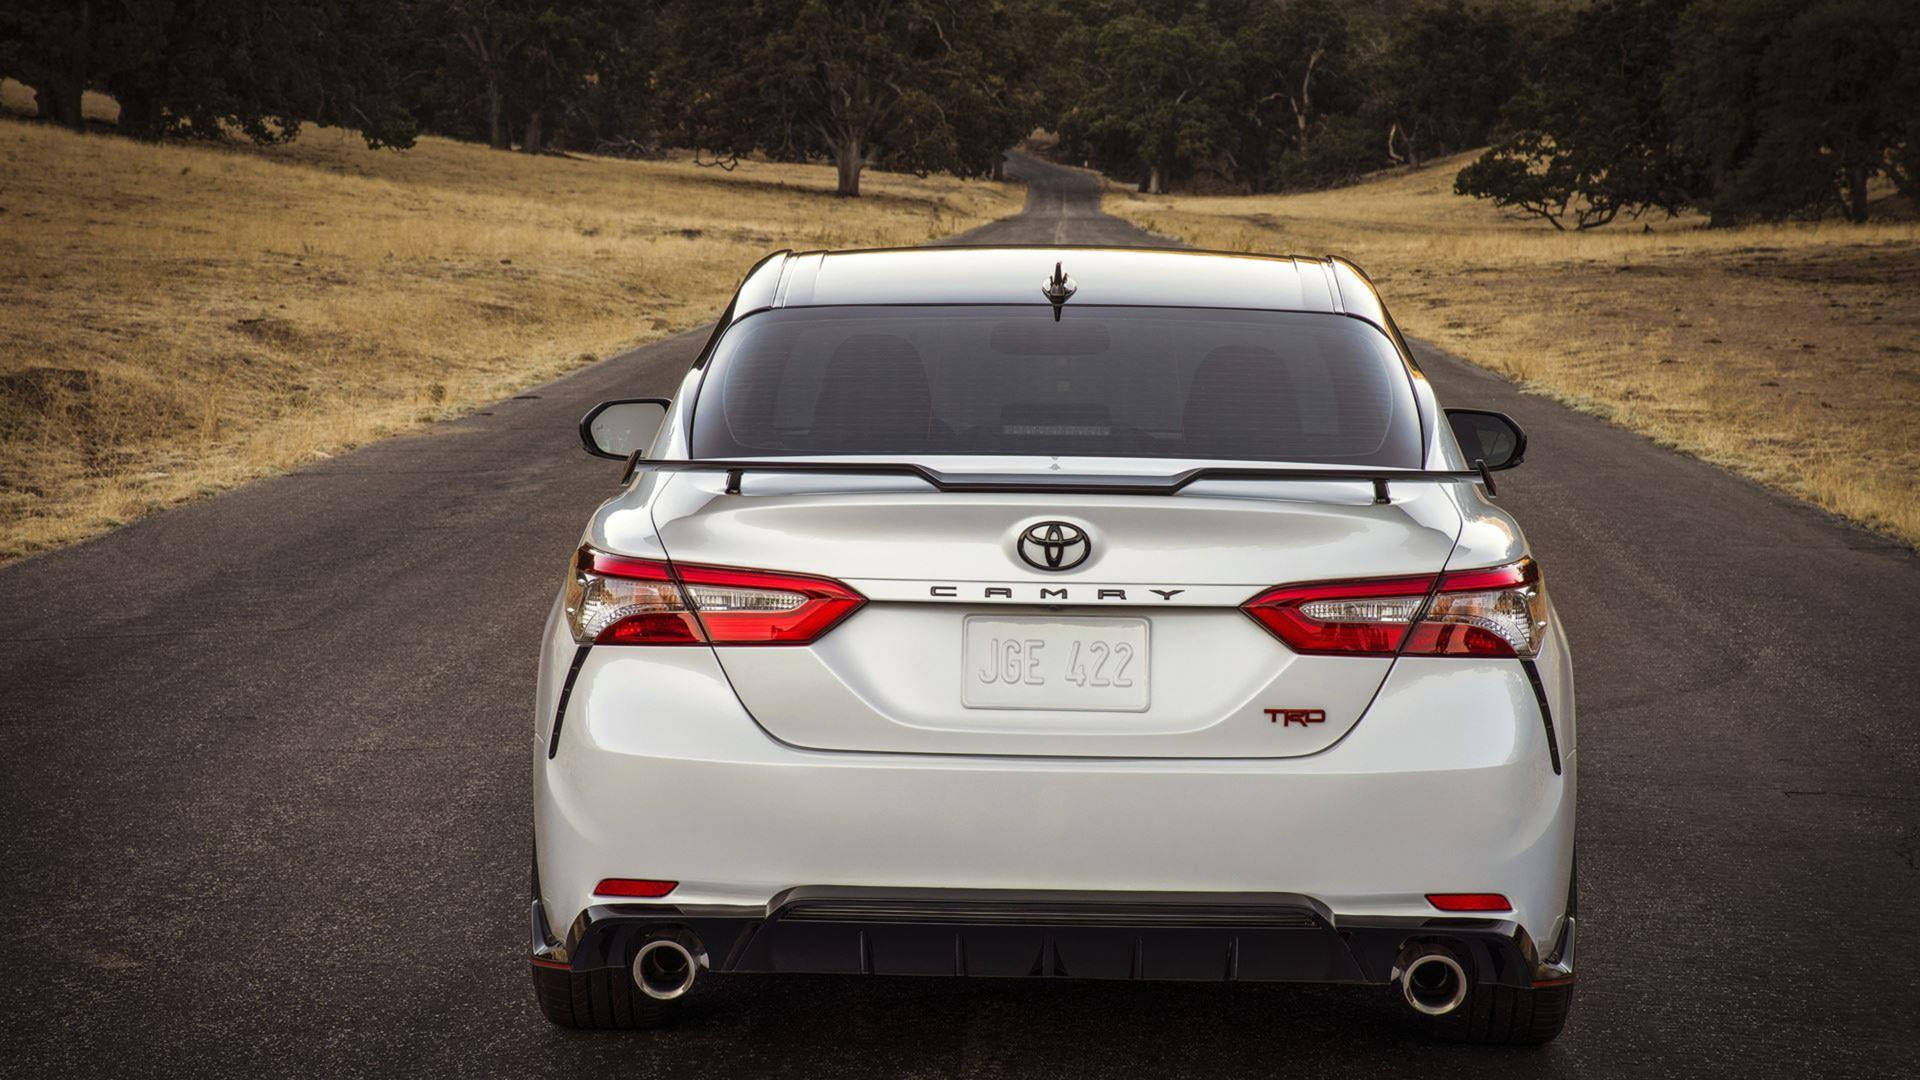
265,789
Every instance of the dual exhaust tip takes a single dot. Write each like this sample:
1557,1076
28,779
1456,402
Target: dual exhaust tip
1433,982
665,968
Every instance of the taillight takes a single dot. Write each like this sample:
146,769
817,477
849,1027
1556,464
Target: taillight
1366,618
1495,612
757,607
619,600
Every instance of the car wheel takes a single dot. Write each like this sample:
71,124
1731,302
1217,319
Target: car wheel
1506,1016
604,1000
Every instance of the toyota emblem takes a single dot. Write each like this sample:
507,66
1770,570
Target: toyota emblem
1054,545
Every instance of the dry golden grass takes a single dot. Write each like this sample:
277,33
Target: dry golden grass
1788,353
177,319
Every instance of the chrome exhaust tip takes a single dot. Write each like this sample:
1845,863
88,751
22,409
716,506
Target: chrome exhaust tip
1434,983
664,969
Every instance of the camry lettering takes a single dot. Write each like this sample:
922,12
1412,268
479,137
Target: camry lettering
1044,593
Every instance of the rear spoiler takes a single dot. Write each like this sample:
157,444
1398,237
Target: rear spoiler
1066,484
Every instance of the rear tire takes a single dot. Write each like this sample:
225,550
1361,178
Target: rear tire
602,1000
1506,1016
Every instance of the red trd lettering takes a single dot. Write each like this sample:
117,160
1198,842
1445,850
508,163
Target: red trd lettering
1289,717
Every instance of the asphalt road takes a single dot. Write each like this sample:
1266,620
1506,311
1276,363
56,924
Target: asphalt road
266,789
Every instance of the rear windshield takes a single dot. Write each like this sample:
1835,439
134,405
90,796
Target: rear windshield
1101,381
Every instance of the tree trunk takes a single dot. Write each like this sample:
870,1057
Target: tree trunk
72,84
72,112
59,101
60,84
530,144
1156,183
1856,194
140,115
496,115
850,158
1400,148
1303,105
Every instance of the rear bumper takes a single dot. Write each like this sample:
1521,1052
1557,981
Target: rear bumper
1447,785
1011,934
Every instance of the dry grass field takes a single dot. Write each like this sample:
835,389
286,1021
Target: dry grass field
1788,353
176,319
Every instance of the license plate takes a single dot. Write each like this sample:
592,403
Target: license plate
1039,662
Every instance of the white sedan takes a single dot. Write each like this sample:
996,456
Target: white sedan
1055,612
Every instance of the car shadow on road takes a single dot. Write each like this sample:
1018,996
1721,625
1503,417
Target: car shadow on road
850,1026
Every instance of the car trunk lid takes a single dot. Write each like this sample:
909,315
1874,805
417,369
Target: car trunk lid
1138,648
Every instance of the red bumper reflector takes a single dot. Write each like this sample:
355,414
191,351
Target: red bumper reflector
1469,901
641,887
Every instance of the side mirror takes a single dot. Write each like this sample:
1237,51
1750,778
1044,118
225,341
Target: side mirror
1488,436
620,429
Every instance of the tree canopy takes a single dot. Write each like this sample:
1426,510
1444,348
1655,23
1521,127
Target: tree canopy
1566,158
1594,110
1747,108
1793,107
913,85
203,68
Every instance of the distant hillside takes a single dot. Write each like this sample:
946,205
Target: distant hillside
179,318
1790,353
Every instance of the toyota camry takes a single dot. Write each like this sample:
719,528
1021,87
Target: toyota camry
1057,613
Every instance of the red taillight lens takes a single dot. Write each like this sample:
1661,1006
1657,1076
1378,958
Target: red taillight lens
640,887
1499,611
618,600
758,607
1469,901
1348,618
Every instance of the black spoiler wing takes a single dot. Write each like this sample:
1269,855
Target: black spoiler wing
1065,483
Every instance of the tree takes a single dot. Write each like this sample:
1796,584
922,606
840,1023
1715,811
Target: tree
206,68
49,45
1309,61
1287,68
1794,107
1589,140
1294,75
858,82
555,65
487,36
1260,93
625,99
1443,77
1157,96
